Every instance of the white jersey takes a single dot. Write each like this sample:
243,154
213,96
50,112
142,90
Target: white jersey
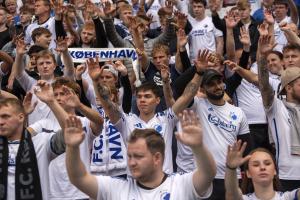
44,153
175,187
202,36
163,122
248,98
60,186
49,24
221,126
280,123
278,196
109,153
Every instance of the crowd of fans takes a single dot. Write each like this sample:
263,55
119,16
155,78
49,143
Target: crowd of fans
211,111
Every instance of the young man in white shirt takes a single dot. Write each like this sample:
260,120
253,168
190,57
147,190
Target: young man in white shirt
46,64
145,154
283,117
204,35
24,159
148,97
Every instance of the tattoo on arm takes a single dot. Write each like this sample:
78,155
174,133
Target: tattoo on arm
107,102
191,89
264,85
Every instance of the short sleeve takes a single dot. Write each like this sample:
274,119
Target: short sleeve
244,127
38,126
189,191
217,32
26,81
290,195
108,186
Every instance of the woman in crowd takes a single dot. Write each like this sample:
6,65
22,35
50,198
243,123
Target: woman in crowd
260,182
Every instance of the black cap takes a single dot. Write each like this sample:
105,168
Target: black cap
210,74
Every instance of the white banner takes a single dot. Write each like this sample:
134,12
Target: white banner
80,55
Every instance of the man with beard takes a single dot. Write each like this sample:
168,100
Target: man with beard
224,122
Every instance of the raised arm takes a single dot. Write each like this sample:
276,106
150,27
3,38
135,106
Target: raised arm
245,73
44,92
191,89
101,38
18,66
192,136
265,88
77,172
233,161
6,95
7,62
230,45
294,11
125,82
62,47
102,91
290,35
182,40
96,121
112,34
168,93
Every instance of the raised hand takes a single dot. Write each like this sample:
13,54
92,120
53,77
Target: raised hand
91,9
20,45
44,91
268,17
235,152
120,67
80,4
169,7
265,44
80,69
232,65
202,61
214,5
73,132
73,100
230,20
94,68
284,26
165,72
58,7
181,19
133,24
244,36
108,9
263,29
61,44
191,134
28,107
182,39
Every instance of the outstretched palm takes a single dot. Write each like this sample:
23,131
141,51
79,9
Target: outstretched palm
202,61
44,91
191,134
94,68
73,133
235,152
